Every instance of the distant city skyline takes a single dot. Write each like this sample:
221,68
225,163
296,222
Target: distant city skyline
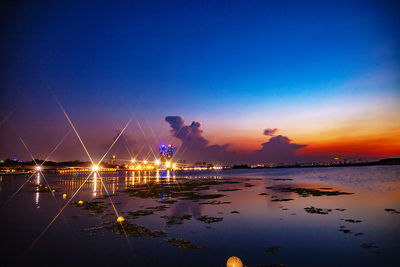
290,82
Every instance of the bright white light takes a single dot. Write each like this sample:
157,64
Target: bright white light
168,164
95,168
174,165
157,162
133,160
38,168
144,161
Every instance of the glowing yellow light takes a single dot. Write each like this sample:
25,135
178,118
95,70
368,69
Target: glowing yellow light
38,168
144,161
234,262
174,165
167,164
157,162
120,219
64,195
133,160
80,202
95,168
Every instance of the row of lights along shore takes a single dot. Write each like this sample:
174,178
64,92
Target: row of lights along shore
134,166
163,163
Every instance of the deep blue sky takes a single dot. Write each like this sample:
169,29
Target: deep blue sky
210,61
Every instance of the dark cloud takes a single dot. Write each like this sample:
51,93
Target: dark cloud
278,149
270,132
195,147
187,133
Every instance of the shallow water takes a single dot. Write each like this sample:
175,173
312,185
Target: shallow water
262,231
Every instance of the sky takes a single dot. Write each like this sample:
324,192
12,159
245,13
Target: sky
321,76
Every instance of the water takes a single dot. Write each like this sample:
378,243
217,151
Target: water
263,232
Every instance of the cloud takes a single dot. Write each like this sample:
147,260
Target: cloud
277,149
195,147
187,133
270,132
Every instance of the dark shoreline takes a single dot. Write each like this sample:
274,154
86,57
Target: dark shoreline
53,167
383,162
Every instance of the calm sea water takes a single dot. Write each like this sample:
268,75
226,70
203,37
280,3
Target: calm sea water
357,230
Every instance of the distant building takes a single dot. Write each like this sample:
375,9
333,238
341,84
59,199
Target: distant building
336,161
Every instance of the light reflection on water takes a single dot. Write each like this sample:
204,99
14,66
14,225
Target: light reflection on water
115,182
304,239
37,193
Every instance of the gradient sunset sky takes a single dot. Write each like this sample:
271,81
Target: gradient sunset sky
324,73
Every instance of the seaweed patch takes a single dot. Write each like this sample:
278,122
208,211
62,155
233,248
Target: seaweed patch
393,211
272,250
92,206
368,245
317,210
176,219
183,244
215,202
282,199
306,192
130,229
352,221
209,219
148,211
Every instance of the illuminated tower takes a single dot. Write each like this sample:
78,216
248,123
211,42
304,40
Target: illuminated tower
166,152
163,153
170,152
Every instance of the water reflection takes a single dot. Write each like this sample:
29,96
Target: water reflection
94,184
115,182
37,190
187,207
259,220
